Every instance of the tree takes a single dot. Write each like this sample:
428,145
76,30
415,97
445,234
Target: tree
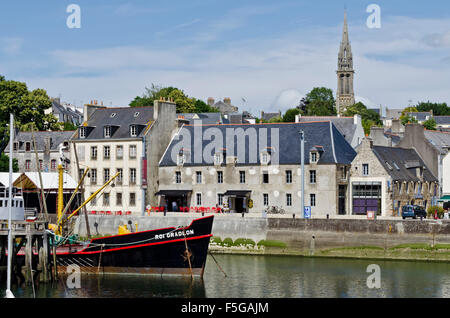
430,124
369,117
439,109
318,102
185,104
27,106
289,116
407,119
4,163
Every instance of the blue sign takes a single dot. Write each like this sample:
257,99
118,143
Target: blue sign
307,212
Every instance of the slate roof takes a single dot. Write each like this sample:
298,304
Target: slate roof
57,137
268,116
73,116
393,113
440,140
442,120
206,118
420,116
335,148
120,119
401,163
345,125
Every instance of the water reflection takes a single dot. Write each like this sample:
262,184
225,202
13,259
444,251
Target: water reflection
266,277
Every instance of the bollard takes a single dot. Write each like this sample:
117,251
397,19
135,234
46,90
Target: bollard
328,216
242,214
203,213
293,215
164,212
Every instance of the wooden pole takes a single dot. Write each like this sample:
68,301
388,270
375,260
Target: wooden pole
44,203
86,218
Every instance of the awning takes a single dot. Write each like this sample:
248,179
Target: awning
173,193
444,198
237,193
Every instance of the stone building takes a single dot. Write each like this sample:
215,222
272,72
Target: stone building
345,95
125,140
383,179
432,146
248,168
48,144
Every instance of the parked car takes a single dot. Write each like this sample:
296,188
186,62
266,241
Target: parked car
413,211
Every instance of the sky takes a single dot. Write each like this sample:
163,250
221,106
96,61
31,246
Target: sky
264,55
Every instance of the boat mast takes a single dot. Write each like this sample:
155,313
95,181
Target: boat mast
60,188
9,294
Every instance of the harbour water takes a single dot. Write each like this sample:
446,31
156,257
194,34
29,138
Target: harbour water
266,277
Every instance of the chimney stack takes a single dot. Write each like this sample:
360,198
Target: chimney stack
210,101
227,100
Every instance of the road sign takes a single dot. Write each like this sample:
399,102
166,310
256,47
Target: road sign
307,212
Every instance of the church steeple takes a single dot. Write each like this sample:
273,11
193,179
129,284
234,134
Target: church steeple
345,95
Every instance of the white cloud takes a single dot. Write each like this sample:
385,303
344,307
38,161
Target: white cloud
392,66
288,98
12,46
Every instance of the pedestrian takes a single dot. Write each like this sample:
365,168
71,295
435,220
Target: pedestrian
174,206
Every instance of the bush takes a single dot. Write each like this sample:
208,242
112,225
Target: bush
227,242
244,242
217,240
432,209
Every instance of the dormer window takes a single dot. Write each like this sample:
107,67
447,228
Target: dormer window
133,131
82,132
15,146
107,131
218,159
314,157
28,146
180,158
265,158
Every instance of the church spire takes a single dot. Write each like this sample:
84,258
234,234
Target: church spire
345,95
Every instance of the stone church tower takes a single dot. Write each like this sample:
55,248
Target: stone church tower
345,95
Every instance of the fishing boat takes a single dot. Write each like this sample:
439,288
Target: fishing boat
167,251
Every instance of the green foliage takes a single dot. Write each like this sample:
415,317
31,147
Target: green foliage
289,116
318,102
430,124
369,117
4,163
68,126
407,119
272,243
434,208
244,242
185,104
227,242
439,109
277,119
216,240
27,106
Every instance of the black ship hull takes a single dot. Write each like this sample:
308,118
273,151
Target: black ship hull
169,251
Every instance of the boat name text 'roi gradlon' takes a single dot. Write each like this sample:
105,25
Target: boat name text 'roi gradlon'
173,234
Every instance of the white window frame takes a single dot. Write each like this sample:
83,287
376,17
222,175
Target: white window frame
198,199
265,199
288,199
133,131
133,151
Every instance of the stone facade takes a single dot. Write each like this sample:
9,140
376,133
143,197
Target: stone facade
389,185
280,191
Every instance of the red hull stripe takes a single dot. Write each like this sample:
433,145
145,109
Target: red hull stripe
135,246
168,228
